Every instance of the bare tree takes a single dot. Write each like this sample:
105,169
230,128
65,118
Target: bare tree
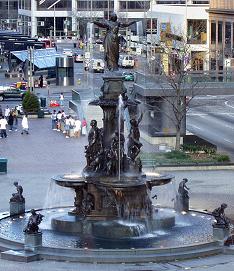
176,81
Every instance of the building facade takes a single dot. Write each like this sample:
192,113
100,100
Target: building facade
8,14
188,19
41,18
221,17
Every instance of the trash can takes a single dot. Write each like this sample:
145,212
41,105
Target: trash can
3,165
40,114
43,101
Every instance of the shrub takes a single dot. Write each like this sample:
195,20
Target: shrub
223,158
30,102
176,155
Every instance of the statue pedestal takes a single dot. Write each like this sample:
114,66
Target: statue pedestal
219,233
32,241
17,208
181,204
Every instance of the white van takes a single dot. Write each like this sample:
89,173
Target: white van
127,61
98,65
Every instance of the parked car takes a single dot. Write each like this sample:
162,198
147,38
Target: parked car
128,76
127,61
11,93
67,52
79,58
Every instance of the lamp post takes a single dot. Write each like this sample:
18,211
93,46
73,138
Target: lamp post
52,6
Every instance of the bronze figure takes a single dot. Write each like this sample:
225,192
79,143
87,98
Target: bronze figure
112,40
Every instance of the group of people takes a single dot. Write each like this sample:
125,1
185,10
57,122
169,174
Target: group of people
9,118
69,125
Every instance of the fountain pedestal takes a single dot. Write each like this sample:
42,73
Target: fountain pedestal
32,241
220,233
17,208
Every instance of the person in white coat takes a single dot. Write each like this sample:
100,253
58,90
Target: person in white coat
24,125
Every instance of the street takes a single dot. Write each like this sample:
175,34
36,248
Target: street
212,118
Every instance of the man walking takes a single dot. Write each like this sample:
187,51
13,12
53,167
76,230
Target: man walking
24,125
7,112
61,99
54,120
3,125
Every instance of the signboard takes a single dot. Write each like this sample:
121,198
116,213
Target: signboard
87,55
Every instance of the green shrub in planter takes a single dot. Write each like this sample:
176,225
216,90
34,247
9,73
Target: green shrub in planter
176,155
223,158
30,102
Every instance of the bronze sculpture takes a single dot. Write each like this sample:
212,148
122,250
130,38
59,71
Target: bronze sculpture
18,196
183,189
33,222
112,40
134,145
221,220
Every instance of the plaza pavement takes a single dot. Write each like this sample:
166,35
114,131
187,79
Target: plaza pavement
33,159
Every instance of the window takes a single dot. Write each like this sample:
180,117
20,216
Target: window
228,34
213,32
197,31
220,32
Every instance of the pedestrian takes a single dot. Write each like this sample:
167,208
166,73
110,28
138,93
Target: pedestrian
54,120
77,127
24,125
61,99
10,121
84,127
67,126
59,119
15,116
7,112
3,125
41,81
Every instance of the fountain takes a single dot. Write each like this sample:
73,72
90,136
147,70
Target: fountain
113,219
112,186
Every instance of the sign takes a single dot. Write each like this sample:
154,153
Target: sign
138,51
87,55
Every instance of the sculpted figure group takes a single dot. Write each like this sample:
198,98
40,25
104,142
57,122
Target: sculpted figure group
106,160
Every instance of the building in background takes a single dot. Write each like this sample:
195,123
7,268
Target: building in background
72,16
188,19
8,14
221,17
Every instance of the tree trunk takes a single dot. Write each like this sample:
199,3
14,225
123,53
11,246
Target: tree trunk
177,145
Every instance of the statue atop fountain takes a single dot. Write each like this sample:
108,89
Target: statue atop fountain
33,222
17,201
182,197
18,196
112,40
222,221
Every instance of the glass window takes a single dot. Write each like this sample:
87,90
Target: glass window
213,32
197,31
220,32
228,34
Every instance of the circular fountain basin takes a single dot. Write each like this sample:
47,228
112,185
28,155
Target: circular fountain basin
190,237
188,229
